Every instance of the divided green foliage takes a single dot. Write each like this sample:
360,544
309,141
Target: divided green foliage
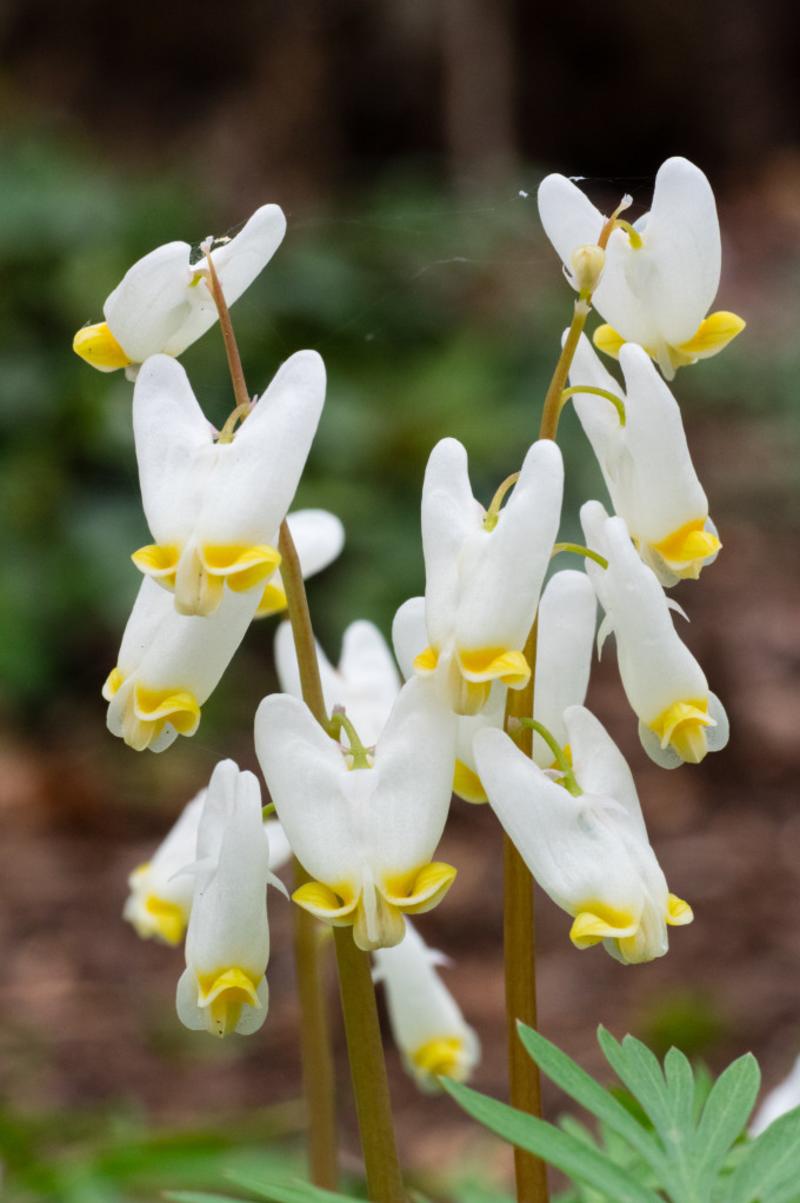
682,1140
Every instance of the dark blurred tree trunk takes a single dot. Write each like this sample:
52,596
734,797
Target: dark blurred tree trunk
478,104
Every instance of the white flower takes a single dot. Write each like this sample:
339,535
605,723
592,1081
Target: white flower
679,718
214,506
566,626
224,987
161,896
660,276
164,303
160,900
427,1024
484,571
366,835
646,464
366,682
588,850
785,1097
169,665
318,537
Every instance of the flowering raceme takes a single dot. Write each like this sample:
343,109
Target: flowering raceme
427,1024
660,275
484,571
680,720
566,625
224,987
164,304
214,506
364,826
584,839
646,464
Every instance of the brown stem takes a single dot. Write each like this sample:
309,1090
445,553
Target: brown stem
368,1068
302,631
228,336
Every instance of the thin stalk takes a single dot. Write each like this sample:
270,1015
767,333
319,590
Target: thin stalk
228,337
302,631
582,389
368,1069
578,549
552,401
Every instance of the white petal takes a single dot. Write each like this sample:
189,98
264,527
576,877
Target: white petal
319,538
449,516
280,851
151,302
567,618
600,767
370,677
568,216
785,1097
600,421
152,607
409,634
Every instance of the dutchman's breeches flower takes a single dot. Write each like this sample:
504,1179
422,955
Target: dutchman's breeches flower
646,464
214,505
168,665
660,276
364,826
224,987
365,683
163,303
484,571
584,839
566,626
680,720
427,1024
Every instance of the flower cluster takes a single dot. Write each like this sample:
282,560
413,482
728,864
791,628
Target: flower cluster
362,779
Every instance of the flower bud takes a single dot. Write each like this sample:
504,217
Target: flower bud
587,268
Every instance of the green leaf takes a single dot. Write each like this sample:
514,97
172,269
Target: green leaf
581,1087
680,1083
772,1161
293,1191
544,1140
724,1116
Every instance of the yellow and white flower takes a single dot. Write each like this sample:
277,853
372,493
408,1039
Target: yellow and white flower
660,275
427,1024
365,829
785,1097
586,846
484,572
680,720
169,665
646,464
224,986
365,682
160,899
318,537
566,626
163,303
214,506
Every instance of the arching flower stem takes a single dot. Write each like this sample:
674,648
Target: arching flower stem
617,402
577,549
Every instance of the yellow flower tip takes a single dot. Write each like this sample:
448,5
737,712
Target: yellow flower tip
607,340
224,995
149,711
440,1057
426,661
480,665
113,683
273,601
426,890
682,726
599,922
98,347
158,560
332,906
686,549
679,913
467,784
711,336
165,920
243,566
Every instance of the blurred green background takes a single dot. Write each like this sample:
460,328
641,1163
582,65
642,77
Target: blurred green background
405,140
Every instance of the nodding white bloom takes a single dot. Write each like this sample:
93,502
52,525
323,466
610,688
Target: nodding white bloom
660,275
169,665
365,829
161,896
428,1027
318,537
680,720
164,304
224,987
366,682
785,1097
646,464
567,617
160,900
484,571
214,506
588,849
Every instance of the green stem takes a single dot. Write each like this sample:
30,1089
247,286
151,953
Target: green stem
561,758
368,1068
552,401
578,549
340,722
581,389
302,631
